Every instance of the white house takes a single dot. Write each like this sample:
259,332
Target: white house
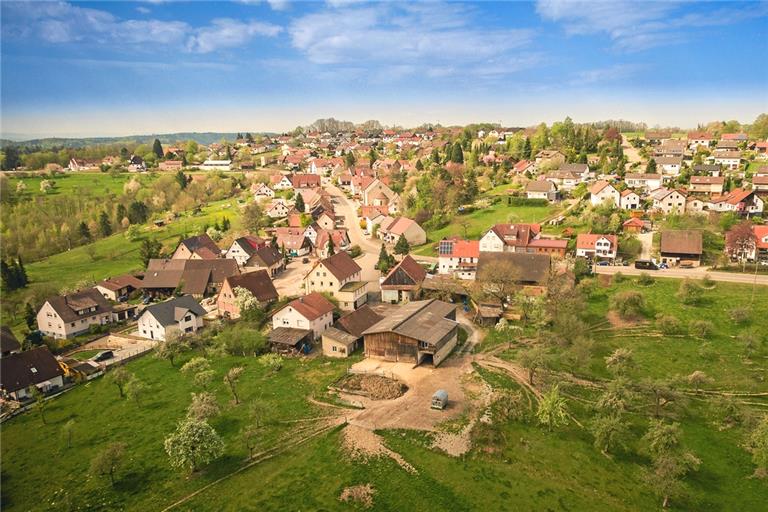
180,315
65,316
644,181
670,165
312,312
277,209
603,191
541,189
596,246
629,200
668,200
458,258
280,182
262,191
244,247
728,159
696,139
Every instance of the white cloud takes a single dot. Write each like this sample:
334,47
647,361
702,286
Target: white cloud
62,22
437,39
228,33
143,10
606,74
636,26
278,5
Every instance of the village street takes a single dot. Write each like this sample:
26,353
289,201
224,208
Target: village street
692,273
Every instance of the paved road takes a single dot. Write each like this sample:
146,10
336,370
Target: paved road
370,247
693,273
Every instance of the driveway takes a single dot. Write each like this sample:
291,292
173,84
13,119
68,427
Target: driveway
692,273
122,345
647,240
288,283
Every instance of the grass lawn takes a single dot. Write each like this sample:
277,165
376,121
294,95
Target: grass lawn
146,481
482,219
84,355
91,183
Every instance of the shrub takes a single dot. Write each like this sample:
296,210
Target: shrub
355,251
707,282
689,292
273,362
668,324
701,328
628,303
739,315
645,279
618,277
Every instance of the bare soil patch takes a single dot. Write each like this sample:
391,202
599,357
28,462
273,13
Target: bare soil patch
617,322
363,444
361,495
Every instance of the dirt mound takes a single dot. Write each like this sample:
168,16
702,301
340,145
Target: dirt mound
374,387
361,495
363,444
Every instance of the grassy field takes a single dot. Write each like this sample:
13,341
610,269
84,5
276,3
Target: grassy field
480,220
516,466
93,183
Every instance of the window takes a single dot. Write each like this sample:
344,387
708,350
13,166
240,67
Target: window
188,318
333,348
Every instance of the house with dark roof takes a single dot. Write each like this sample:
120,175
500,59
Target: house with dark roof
244,247
113,288
341,276
357,321
65,316
423,331
267,258
257,282
200,247
527,269
402,282
541,189
199,278
180,315
311,313
8,342
22,370
681,246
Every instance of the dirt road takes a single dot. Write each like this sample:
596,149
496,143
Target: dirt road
692,273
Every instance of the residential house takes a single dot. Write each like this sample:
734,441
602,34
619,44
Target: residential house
171,165
417,332
262,191
670,165
528,269
177,316
738,137
728,159
602,192
657,137
757,250
200,278
216,165
541,189
521,238
311,313
277,209
707,184
458,257
629,200
66,316
358,321
20,371
337,343
267,258
699,139
377,193
200,247
305,181
726,145
390,231
257,282
760,183
644,181
339,237
295,245
403,281
114,288
739,200
8,342
549,158
77,164
280,182
340,276
670,148
245,247
596,246
707,169
522,167
681,246
668,200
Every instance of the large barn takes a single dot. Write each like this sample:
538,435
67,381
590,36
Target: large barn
423,331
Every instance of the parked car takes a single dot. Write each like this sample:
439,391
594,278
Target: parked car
603,263
103,356
305,260
663,266
146,300
646,265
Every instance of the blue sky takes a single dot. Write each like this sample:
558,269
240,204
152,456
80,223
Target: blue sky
112,68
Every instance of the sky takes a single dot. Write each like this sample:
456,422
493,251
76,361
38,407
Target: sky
121,68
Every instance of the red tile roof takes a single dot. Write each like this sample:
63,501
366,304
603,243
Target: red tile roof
312,306
588,240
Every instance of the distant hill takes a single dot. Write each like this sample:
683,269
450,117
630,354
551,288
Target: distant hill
166,138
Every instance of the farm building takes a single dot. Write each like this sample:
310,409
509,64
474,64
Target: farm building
418,332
